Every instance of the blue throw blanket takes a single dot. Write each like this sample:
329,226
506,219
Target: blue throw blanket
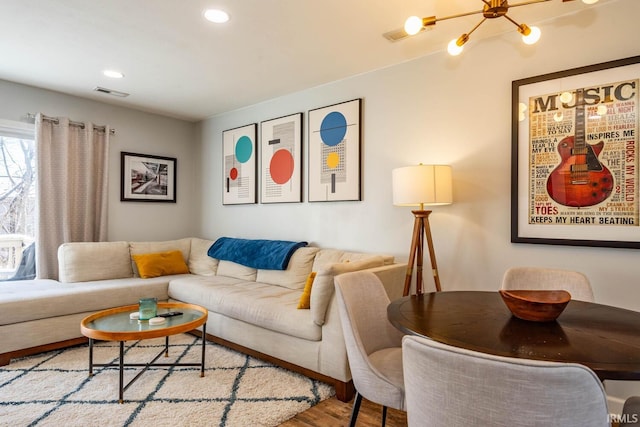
262,254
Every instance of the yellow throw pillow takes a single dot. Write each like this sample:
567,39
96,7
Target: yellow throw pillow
305,298
160,264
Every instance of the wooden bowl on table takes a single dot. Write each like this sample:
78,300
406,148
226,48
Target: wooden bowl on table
536,305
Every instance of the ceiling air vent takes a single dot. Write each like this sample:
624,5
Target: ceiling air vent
110,91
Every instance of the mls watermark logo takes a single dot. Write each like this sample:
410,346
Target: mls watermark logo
623,418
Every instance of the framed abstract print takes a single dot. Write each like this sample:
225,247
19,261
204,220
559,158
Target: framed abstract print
334,152
281,159
239,165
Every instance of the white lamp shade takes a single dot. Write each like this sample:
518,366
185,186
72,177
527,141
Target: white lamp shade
422,184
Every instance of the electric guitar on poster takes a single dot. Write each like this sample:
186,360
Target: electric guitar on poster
580,179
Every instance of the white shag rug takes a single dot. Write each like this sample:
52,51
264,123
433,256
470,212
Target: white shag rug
54,389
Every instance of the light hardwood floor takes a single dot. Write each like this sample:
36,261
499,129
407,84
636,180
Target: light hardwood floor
334,413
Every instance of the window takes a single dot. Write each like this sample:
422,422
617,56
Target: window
17,200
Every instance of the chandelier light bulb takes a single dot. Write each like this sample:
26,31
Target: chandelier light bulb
533,36
602,110
522,107
566,97
453,48
558,116
589,1
413,25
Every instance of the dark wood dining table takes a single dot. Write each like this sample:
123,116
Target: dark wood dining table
602,337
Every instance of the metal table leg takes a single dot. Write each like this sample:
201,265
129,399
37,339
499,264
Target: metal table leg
121,397
90,357
204,333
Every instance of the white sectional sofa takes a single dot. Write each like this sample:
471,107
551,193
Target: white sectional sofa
251,310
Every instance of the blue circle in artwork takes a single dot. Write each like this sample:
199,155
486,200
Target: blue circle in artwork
244,149
333,128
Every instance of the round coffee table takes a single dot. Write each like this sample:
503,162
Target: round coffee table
114,324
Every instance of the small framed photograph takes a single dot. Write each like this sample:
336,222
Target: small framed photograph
575,162
334,152
147,178
239,165
281,154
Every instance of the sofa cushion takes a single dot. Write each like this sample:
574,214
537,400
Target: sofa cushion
237,271
323,286
267,306
295,276
199,262
42,299
160,264
87,261
182,245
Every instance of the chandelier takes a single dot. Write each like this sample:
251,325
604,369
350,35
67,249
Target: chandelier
492,9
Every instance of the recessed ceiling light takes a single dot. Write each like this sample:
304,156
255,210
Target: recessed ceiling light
113,74
216,15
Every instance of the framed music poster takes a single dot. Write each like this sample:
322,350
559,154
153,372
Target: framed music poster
575,156
334,152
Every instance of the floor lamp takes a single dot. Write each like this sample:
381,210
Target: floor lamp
419,186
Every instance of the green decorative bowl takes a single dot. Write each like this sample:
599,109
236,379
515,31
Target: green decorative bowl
536,305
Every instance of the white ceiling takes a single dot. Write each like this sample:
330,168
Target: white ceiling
177,64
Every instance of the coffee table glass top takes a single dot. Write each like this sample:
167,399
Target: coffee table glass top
120,322
116,325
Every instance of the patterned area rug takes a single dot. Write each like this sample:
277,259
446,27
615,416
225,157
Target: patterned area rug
54,389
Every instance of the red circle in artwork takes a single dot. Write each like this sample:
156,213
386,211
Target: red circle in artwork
233,174
281,166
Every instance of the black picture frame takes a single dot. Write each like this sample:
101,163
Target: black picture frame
239,165
574,159
281,159
335,152
147,178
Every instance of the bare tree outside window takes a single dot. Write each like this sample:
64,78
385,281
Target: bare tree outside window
17,201
17,190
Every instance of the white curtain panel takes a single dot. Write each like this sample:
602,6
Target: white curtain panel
73,169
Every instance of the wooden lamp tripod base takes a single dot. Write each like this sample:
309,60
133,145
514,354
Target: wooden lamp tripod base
420,229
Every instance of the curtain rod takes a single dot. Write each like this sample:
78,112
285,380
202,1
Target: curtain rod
55,120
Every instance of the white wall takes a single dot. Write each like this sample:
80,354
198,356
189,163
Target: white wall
136,132
440,109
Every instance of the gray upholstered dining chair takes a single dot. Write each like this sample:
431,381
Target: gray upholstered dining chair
374,346
576,283
447,385
631,412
